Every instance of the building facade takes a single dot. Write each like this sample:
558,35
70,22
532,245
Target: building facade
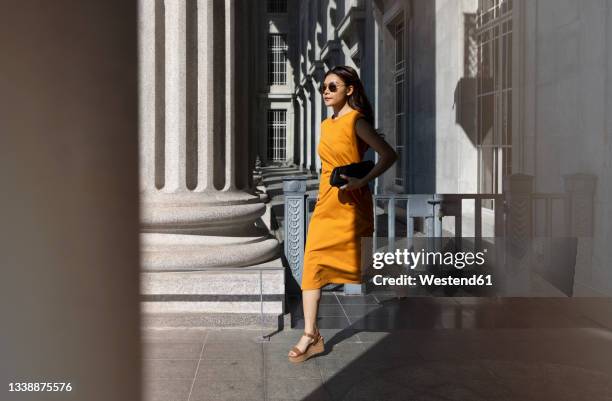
467,92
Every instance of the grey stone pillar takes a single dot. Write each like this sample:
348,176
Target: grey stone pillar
515,277
148,92
518,189
581,191
316,77
197,207
308,115
176,101
299,132
580,214
302,144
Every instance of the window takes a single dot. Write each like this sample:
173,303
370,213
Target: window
400,106
277,134
277,59
494,94
277,6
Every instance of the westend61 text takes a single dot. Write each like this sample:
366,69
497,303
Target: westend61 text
430,279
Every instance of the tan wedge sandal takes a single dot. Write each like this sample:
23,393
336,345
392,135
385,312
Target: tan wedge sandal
312,349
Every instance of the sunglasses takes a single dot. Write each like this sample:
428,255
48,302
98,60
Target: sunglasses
332,87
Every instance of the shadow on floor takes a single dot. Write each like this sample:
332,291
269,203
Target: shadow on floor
463,348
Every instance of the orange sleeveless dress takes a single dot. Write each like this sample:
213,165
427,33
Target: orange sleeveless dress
341,217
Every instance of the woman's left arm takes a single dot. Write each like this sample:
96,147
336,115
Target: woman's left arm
387,156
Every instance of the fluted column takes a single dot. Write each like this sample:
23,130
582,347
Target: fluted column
301,97
317,75
299,102
230,97
147,82
308,116
202,184
206,86
176,102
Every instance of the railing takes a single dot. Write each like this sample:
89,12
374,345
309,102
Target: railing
515,216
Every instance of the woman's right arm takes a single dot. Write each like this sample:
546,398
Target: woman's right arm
388,156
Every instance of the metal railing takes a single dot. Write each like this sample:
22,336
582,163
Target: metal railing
514,214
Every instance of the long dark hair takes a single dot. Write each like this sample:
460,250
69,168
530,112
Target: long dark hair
358,99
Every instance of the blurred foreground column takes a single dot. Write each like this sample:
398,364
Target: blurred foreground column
69,204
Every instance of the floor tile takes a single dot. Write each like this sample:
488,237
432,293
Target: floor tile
169,368
233,335
343,351
371,336
355,310
232,350
324,310
181,335
171,350
234,390
325,322
278,367
246,368
166,389
357,300
297,389
341,335
328,299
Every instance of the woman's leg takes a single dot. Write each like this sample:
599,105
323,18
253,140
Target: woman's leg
310,304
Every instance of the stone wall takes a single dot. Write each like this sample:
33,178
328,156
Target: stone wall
567,89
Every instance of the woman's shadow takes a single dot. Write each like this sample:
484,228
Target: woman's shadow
389,315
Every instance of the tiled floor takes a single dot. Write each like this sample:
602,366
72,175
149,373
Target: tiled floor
390,349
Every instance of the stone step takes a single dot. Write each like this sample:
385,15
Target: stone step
187,295
270,322
212,297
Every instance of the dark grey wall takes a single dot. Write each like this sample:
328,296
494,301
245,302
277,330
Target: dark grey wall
421,98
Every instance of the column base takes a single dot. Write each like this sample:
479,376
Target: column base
192,230
170,252
208,212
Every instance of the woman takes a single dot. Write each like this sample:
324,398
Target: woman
342,215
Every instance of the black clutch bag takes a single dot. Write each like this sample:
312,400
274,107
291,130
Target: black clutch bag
358,170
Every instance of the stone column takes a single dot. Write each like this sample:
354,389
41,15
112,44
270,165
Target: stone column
308,116
197,207
581,191
302,144
299,132
580,219
316,77
515,277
